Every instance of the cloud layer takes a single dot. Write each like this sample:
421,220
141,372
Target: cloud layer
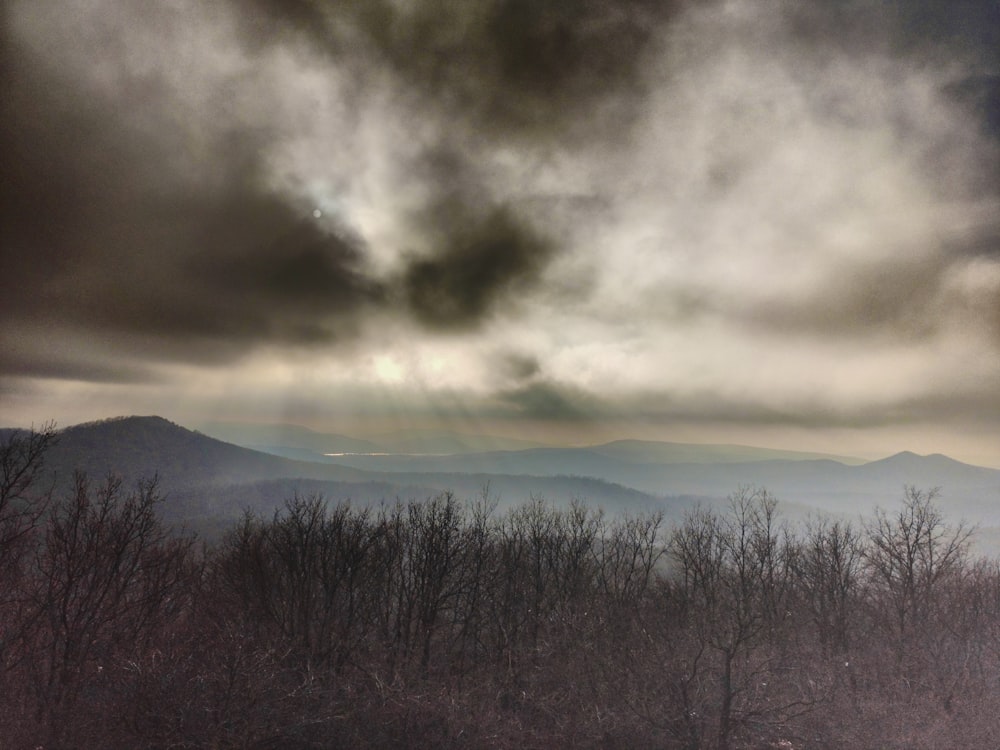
549,210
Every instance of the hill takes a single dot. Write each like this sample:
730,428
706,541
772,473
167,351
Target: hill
295,441
206,477
656,452
287,439
823,484
135,447
209,482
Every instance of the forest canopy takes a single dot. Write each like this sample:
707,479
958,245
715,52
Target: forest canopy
447,623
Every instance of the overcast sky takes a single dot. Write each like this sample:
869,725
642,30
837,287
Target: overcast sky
752,221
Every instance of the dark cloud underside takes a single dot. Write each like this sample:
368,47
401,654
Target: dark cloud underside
102,228
472,158
551,401
112,224
872,300
529,67
477,262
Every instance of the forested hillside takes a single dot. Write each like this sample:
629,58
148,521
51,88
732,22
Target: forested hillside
450,623
208,483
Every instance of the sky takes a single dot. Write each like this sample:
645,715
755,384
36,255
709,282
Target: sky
752,221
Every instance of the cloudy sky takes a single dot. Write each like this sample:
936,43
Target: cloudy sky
752,221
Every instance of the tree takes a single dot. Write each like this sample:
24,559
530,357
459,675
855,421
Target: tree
734,585
22,503
910,556
104,580
828,571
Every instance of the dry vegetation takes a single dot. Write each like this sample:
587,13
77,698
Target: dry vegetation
445,624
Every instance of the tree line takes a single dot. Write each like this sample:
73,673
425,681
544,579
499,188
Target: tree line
446,623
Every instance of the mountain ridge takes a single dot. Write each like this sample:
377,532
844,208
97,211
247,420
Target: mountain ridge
437,442
195,466
207,480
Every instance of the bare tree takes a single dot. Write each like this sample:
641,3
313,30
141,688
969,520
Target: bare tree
828,571
22,500
734,584
909,557
105,579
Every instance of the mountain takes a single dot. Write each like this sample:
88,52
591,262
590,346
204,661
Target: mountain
821,483
135,447
299,442
444,442
287,439
208,478
703,477
931,470
292,441
653,452
208,482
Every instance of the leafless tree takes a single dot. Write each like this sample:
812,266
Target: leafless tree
910,556
23,496
734,583
101,583
828,572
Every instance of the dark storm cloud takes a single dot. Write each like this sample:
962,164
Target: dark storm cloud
283,275
307,266
548,400
968,29
479,260
509,66
981,94
863,300
104,230
477,251
545,400
58,365
168,216
519,367
114,227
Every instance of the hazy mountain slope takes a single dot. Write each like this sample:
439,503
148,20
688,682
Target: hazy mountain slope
685,479
656,452
929,470
290,440
141,446
444,442
824,484
534,461
293,440
194,468
208,481
286,437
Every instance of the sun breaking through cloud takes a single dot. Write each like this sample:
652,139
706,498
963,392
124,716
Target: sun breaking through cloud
551,213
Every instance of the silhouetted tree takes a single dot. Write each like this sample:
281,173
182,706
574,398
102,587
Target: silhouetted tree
23,497
734,585
101,583
828,571
910,557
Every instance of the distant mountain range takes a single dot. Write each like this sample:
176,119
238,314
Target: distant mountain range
209,481
207,478
285,439
295,441
836,483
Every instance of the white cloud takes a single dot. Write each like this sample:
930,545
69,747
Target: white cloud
782,228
